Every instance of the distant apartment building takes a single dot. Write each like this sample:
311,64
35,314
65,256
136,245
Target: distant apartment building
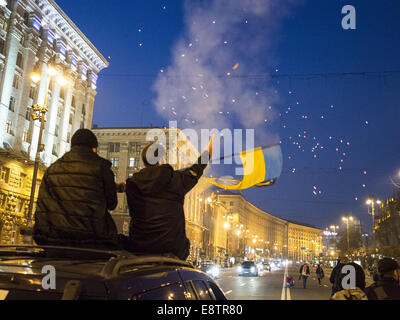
31,33
246,230
305,241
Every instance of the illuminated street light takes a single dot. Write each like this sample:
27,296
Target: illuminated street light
371,202
347,220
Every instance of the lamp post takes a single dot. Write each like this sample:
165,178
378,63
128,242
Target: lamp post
39,113
347,220
371,202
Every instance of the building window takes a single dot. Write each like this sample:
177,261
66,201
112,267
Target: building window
114,162
55,150
4,26
57,129
84,110
68,137
62,93
114,147
134,148
20,60
22,180
11,106
59,111
4,174
16,81
26,18
132,162
32,92
73,101
71,116
2,46
3,200
28,113
25,135
82,126
9,127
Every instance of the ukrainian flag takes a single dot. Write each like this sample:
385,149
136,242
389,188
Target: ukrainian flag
262,167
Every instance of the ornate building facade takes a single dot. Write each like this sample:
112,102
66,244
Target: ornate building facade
32,32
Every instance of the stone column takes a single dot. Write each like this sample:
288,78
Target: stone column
40,99
51,122
30,57
65,126
11,53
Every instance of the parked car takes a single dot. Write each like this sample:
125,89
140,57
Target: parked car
248,268
86,274
210,268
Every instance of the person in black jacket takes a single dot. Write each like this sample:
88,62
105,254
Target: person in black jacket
155,198
74,198
388,285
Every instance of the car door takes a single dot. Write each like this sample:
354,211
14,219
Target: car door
203,286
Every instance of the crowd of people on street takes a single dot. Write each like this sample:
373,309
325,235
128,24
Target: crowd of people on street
386,277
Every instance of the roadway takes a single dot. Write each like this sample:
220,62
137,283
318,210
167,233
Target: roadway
272,285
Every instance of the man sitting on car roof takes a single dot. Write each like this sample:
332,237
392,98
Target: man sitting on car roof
74,198
156,197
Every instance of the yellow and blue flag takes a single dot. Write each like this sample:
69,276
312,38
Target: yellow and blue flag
262,167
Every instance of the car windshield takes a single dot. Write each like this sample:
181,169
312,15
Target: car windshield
248,264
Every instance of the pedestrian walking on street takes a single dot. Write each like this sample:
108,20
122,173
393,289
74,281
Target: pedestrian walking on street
304,273
320,274
387,287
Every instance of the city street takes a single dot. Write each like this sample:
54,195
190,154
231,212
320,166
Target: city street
269,285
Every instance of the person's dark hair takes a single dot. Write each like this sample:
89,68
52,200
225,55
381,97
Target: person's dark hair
152,153
84,137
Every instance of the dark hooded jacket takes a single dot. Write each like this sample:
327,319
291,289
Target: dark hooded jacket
156,197
74,196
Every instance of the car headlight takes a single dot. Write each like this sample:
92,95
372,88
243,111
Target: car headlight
240,269
253,269
215,271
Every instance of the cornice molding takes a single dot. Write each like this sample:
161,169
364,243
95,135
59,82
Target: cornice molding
54,17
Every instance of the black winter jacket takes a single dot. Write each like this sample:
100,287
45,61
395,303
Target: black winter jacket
74,196
156,197
384,289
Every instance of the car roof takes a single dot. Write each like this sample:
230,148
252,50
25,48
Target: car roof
79,261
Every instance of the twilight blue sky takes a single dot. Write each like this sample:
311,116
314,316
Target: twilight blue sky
353,118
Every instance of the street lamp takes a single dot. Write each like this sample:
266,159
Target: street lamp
371,202
39,113
347,220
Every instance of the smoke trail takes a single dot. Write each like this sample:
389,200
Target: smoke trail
223,39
